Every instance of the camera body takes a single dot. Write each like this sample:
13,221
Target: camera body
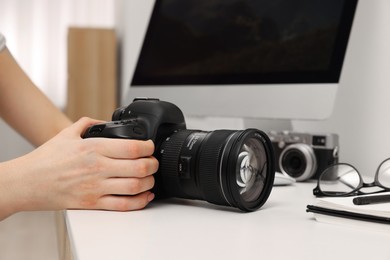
304,156
143,119
225,167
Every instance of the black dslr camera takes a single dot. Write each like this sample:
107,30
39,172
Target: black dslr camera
224,167
304,156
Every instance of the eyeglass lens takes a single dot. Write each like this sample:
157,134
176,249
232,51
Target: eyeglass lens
340,178
383,174
344,178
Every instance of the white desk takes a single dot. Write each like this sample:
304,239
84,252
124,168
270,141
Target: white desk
182,229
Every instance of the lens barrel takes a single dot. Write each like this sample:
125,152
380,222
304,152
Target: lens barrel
298,161
223,167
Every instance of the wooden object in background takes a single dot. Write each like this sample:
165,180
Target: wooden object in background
92,73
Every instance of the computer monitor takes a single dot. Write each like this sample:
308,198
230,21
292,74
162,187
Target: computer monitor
279,59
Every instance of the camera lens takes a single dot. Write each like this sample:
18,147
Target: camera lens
223,167
298,161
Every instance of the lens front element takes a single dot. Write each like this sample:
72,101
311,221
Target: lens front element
249,169
251,173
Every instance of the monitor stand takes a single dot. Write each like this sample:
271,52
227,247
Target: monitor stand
268,125
215,123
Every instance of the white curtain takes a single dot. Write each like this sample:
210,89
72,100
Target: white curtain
36,33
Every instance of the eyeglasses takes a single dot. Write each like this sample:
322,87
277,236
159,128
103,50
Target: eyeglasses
343,179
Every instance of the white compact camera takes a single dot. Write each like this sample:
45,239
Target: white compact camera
304,156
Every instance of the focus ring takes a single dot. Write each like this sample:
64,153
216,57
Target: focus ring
168,170
209,167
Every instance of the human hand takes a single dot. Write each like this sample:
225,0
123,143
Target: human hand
69,172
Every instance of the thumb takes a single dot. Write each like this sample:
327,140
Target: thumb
82,124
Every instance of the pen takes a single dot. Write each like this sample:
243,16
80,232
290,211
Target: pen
371,199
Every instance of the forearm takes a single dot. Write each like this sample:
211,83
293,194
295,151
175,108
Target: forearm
24,107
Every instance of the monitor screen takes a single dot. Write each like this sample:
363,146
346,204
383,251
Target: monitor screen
244,41
233,53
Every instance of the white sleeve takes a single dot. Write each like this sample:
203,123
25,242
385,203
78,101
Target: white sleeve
2,42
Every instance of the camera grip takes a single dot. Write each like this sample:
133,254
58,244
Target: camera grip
126,129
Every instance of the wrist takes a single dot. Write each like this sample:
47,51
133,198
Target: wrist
14,187
7,186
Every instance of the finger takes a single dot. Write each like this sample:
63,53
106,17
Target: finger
128,186
125,203
122,148
138,168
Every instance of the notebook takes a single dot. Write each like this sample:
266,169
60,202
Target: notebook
341,210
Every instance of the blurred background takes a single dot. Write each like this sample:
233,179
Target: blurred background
37,35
